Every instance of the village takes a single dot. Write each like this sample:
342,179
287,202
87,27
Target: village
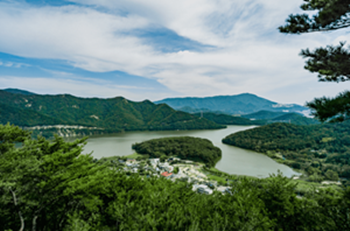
173,169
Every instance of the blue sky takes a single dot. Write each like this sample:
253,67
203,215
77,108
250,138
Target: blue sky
158,48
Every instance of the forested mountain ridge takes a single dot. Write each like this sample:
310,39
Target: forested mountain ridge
114,114
18,91
235,104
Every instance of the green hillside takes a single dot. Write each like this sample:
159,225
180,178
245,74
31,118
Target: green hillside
320,151
295,118
198,110
229,120
114,114
263,115
25,117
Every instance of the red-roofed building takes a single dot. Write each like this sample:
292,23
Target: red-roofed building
166,174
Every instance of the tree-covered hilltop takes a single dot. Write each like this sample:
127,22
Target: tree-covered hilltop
113,114
322,151
189,148
51,186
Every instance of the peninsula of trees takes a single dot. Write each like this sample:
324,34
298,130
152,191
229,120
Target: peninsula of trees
322,151
190,148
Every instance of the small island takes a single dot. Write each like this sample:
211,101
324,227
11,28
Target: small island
189,148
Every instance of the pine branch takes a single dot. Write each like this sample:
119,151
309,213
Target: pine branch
331,15
332,109
332,63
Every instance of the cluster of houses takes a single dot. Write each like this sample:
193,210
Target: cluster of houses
163,169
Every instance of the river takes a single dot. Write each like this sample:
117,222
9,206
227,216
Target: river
234,160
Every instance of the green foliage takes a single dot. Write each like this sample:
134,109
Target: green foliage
331,109
228,119
314,149
289,137
189,148
331,175
100,115
25,117
331,63
51,186
331,15
9,135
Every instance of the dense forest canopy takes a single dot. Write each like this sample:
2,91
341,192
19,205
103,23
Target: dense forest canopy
284,136
107,115
189,148
317,149
52,186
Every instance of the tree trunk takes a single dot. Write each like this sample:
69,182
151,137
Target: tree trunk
34,223
19,212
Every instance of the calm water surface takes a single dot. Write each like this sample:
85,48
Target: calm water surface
234,160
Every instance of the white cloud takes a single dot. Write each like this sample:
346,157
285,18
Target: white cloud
251,56
13,64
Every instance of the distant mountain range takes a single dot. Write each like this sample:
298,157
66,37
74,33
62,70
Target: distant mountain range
68,115
236,104
18,91
258,118
93,115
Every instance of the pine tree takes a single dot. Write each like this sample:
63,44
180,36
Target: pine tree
332,63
